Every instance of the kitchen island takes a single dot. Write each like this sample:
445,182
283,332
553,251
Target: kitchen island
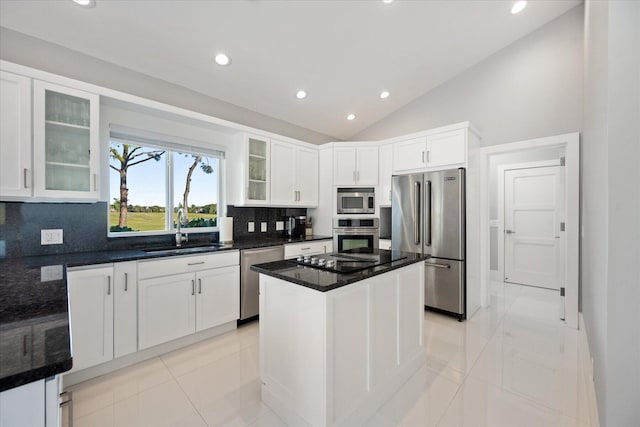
335,346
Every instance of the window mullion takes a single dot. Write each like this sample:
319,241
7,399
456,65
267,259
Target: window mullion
169,192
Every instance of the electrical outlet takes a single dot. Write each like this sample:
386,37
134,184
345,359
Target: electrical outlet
49,273
279,225
251,227
51,237
263,227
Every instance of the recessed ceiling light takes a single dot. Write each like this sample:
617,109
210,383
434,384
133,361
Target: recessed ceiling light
518,7
351,117
85,3
384,94
222,59
301,94
387,1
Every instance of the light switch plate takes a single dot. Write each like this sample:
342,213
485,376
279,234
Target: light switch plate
251,227
51,237
263,227
279,225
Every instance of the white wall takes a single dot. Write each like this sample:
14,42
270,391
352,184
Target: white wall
32,52
530,89
611,206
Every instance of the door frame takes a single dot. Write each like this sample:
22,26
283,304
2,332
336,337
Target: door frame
500,202
571,144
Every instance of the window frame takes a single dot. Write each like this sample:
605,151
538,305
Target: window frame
170,150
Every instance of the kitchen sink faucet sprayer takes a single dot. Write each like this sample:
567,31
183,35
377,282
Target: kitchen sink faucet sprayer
179,236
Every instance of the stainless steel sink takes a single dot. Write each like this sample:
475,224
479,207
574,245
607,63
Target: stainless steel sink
178,251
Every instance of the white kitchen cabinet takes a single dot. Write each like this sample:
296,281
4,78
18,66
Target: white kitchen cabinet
327,246
65,142
125,308
166,308
217,297
181,295
434,151
23,405
447,149
16,350
249,171
15,136
410,155
294,175
91,312
355,165
386,171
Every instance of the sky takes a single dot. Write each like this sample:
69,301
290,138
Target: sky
146,182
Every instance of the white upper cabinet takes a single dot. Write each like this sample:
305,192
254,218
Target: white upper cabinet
355,165
386,171
294,175
447,149
410,155
434,151
65,142
249,171
15,136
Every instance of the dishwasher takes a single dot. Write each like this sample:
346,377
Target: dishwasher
250,280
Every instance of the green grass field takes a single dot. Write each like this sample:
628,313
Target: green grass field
147,221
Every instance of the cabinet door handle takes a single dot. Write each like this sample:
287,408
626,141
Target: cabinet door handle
427,156
357,175
95,182
193,287
25,350
108,285
126,281
199,286
423,157
196,263
26,178
354,176
69,403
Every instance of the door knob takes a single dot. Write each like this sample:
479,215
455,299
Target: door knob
509,232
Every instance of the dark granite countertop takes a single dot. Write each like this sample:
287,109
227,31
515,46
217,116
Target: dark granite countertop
322,280
34,317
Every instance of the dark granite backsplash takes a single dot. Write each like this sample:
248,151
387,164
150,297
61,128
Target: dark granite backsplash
84,228
243,215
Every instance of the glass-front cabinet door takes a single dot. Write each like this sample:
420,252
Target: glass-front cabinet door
258,170
66,153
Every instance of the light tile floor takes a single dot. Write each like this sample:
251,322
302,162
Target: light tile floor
513,364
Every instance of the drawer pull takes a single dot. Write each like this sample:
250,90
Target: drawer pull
196,263
126,281
304,249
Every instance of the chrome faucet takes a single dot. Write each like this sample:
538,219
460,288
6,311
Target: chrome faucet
179,236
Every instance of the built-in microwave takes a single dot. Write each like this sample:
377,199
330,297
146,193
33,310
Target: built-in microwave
356,200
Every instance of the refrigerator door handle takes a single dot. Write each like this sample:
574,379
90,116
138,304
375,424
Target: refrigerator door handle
416,218
428,209
432,264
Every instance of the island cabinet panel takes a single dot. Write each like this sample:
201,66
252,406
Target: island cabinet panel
333,358
411,341
348,347
384,329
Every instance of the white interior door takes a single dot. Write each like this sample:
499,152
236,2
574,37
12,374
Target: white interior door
533,240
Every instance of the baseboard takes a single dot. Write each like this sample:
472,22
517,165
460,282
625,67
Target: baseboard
587,371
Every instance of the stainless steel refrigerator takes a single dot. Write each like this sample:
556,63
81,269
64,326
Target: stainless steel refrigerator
428,217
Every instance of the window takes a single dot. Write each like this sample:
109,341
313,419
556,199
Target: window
150,180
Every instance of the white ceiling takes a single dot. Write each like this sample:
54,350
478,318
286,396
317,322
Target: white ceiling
343,53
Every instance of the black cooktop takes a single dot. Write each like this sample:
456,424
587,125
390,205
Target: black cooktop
348,262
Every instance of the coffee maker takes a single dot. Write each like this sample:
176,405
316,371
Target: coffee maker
295,226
